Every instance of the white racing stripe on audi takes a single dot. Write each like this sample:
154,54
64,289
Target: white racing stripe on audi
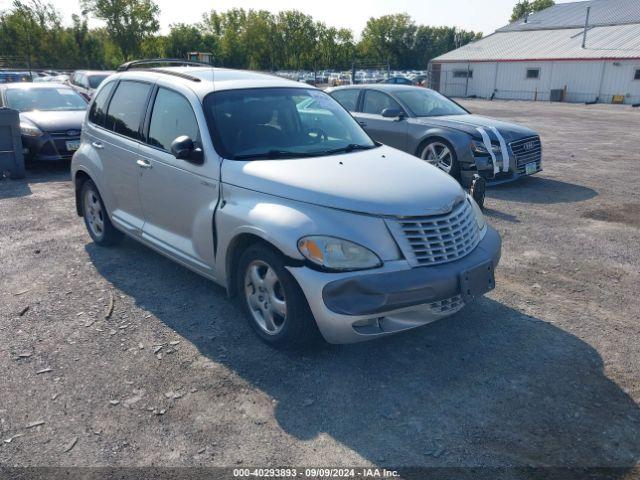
489,147
503,149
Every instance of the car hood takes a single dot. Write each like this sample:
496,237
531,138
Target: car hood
380,181
470,123
55,121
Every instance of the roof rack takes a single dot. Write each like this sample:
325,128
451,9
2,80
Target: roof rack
178,62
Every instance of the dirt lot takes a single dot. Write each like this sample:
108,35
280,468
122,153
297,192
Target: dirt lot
543,372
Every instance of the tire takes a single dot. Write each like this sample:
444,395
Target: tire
96,218
437,145
291,324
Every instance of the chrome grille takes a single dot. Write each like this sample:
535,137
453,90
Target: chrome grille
431,240
527,150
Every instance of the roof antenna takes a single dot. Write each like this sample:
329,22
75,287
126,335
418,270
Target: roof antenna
586,27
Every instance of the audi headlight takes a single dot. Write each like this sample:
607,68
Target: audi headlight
29,130
479,147
477,211
337,254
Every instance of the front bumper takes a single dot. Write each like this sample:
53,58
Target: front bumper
483,166
352,307
48,148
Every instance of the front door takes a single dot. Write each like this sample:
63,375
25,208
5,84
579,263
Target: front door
178,196
390,131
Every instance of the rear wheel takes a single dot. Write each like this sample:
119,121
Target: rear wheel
442,155
275,305
96,217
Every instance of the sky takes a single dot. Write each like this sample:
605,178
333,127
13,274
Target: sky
478,15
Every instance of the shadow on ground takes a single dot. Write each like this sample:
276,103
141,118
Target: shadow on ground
36,173
541,190
490,386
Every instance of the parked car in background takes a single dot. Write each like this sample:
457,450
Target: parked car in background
426,124
85,82
270,188
396,81
12,76
51,118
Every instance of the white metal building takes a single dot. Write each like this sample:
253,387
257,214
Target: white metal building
542,57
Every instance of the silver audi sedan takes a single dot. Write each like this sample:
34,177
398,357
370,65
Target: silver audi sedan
429,125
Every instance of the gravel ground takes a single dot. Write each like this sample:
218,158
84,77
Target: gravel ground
542,372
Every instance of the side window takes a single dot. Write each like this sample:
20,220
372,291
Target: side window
375,102
127,108
98,111
172,117
347,98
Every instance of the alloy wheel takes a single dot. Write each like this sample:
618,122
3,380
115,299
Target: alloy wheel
439,155
265,297
93,213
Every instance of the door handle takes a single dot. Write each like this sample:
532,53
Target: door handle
362,124
143,163
97,145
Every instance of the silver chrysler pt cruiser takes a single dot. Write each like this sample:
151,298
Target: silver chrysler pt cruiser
270,188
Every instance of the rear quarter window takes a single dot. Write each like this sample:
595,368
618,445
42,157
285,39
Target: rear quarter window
127,108
98,112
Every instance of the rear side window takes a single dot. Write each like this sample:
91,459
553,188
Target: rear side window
172,117
375,102
347,98
127,108
98,111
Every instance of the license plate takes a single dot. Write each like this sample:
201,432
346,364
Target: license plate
530,168
477,281
73,145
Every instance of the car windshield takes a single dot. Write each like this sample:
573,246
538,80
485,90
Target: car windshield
47,99
427,103
282,123
96,80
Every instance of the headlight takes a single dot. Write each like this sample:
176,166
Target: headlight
478,213
29,130
337,254
479,147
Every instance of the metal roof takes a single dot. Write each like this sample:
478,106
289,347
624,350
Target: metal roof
612,42
569,15
555,33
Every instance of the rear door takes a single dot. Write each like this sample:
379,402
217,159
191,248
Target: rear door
390,131
117,143
178,196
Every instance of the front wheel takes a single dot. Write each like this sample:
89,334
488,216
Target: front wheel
275,305
442,155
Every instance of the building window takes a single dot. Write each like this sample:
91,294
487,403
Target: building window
637,75
463,74
533,73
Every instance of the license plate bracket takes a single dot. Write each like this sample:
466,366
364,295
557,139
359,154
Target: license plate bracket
530,168
477,281
72,145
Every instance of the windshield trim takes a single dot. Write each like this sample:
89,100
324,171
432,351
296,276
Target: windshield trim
215,137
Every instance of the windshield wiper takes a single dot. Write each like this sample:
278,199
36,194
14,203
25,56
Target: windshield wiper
274,154
349,148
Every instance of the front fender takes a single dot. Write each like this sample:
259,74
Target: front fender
458,140
282,222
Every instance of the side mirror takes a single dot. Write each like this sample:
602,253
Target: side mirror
392,113
184,148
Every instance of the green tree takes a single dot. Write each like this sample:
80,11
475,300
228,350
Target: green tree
526,7
128,22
